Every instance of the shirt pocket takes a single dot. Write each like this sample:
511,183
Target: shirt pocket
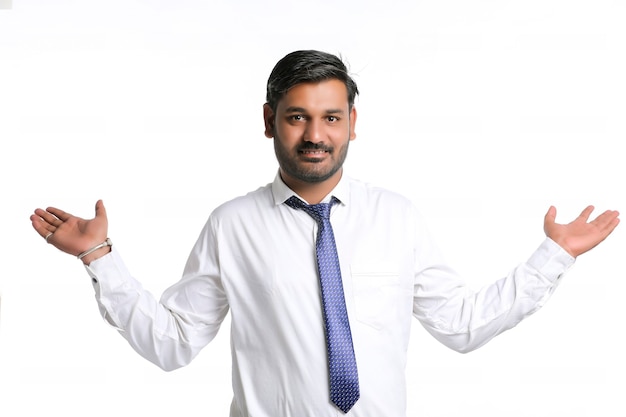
376,292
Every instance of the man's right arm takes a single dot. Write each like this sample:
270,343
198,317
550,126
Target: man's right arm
168,332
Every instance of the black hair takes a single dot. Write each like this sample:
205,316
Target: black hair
307,66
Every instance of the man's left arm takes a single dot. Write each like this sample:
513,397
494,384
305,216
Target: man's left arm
464,320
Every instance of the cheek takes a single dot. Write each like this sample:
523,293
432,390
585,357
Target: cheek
344,133
287,133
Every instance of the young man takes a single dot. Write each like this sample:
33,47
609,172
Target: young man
312,337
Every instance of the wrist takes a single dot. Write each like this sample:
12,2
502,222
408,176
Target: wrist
96,252
99,253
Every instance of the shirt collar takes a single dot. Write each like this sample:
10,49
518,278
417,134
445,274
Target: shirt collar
282,192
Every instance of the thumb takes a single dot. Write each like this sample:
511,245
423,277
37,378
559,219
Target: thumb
550,218
100,210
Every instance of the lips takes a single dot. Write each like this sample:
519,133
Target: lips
313,155
313,152
314,149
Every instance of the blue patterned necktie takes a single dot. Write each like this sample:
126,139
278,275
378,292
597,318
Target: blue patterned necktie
344,379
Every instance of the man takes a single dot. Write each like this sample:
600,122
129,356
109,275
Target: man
306,341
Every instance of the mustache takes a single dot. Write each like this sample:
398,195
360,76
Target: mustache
310,146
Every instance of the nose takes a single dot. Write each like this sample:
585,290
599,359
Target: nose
314,131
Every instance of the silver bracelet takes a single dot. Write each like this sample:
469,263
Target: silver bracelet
95,248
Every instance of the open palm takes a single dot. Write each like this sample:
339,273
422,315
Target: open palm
580,235
69,233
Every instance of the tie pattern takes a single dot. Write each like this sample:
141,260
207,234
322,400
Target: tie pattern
344,380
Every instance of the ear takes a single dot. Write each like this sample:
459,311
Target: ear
269,119
352,123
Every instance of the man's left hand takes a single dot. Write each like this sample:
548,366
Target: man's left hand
580,235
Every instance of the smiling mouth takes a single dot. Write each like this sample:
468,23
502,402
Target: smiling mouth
313,151
313,155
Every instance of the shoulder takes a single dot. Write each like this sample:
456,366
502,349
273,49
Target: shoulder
245,205
366,193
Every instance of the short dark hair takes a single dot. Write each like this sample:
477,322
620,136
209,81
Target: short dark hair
307,66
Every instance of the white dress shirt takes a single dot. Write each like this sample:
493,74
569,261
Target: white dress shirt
256,257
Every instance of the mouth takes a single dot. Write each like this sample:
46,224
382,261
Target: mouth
313,155
313,152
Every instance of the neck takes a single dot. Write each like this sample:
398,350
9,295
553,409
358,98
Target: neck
314,192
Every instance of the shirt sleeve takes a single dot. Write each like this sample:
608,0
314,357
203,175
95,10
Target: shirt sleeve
171,331
464,319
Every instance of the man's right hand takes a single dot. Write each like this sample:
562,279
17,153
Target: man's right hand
72,234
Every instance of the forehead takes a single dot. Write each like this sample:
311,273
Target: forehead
323,95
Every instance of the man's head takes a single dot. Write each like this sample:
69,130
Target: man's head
310,115
307,66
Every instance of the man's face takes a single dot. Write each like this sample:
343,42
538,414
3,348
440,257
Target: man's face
312,128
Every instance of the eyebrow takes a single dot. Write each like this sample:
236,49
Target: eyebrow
294,109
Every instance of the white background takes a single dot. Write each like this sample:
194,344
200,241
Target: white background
483,112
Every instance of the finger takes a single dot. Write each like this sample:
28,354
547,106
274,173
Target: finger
40,226
59,214
611,225
608,219
47,217
584,215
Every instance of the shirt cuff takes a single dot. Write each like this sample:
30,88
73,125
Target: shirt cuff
110,278
551,260
110,266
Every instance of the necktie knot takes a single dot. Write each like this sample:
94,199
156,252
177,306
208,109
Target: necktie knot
317,211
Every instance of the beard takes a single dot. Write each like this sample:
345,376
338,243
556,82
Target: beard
309,170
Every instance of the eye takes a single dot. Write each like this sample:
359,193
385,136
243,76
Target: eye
332,119
296,118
